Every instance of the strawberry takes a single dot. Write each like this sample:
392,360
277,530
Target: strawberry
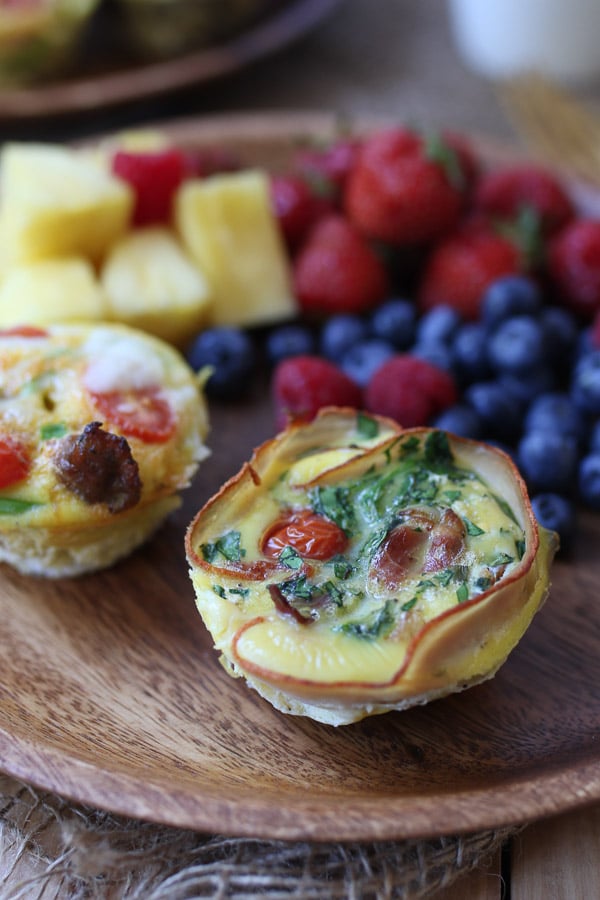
406,189
410,390
336,271
463,265
296,207
154,178
504,193
573,263
302,385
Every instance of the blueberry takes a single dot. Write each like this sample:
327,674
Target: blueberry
340,333
561,334
395,321
437,354
517,345
548,461
557,513
585,383
594,438
438,326
469,351
556,411
362,360
524,390
288,340
589,480
509,296
500,413
462,420
230,353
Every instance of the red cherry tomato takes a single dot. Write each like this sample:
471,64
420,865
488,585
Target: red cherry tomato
311,535
145,414
23,331
14,461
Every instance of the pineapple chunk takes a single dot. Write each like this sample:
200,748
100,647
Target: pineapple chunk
228,227
55,201
151,284
47,291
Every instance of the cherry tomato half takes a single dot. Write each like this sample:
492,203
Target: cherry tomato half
145,413
31,331
14,461
311,535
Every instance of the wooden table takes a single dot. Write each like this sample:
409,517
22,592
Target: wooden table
393,58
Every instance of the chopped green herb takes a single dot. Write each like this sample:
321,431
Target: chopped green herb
219,589
53,430
462,593
342,568
242,592
366,426
444,577
409,445
452,496
228,546
333,592
520,547
334,503
502,559
375,625
437,450
13,506
290,557
409,604
472,528
297,588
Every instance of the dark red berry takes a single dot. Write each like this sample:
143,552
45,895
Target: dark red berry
302,385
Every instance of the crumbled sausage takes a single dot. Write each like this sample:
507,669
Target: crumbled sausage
98,467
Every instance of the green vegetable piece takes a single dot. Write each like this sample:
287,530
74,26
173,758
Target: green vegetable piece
375,625
437,450
290,558
462,593
228,546
366,426
13,506
472,528
53,430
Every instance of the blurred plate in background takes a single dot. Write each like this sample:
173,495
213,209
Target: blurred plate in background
111,76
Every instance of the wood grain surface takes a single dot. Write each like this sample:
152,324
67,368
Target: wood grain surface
111,694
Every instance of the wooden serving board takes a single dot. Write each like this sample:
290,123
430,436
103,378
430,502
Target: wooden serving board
112,695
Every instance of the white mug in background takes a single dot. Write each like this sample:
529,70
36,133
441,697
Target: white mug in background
500,38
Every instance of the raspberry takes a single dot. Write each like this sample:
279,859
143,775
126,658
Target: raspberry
296,207
154,178
410,390
406,189
302,385
574,264
336,271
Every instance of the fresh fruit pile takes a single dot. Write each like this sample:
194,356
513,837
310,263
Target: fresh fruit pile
435,291
391,271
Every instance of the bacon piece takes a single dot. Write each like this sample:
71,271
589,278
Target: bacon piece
426,540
